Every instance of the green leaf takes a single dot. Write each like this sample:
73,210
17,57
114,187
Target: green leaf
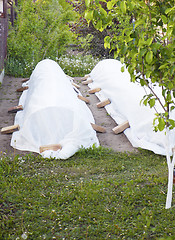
169,32
110,4
89,15
170,85
142,82
149,57
161,124
168,98
138,22
148,73
152,102
87,3
123,6
99,25
107,42
168,10
122,69
149,41
131,5
122,60
172,108
164,19
172,69
103,12
143,51
145,102
171,123
163,66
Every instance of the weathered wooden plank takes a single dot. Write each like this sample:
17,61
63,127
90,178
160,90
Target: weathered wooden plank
98,128
94,90
103,103
22,89
75,85
83,99
87,81
53,147
121,127
10,129
25,80
70,77
15,109
85,77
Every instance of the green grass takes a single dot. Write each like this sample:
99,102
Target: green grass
96,194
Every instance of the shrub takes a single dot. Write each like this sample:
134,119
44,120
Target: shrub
40,31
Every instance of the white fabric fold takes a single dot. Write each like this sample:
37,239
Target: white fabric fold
52,114
125,97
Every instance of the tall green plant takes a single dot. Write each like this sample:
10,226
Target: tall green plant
144,40
40,31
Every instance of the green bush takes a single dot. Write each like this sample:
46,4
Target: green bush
40,31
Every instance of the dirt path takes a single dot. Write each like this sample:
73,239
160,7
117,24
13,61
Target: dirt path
108,139
9,98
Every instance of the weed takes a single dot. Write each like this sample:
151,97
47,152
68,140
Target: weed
96,194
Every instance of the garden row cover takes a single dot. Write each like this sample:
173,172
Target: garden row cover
125,97
53,114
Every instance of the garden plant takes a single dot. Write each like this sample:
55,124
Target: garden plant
97,193
40,31
143,39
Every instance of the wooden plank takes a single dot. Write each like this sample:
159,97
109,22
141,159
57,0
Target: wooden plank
53,147
94,90
75,85
22,89
25,80
120,128
103,103
83,99
87,81
98,128
15,109
10,129
70,77
85,77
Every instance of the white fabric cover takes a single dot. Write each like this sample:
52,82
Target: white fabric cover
125,97
52,114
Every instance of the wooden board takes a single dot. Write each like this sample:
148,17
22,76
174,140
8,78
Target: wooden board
75,85
103,103
25,80
22,89
15,109
94,90
98,128
85,77
120,128
10,129
53,147
87,81
83,99
70,77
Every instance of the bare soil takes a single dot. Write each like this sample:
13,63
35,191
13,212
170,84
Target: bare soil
9,97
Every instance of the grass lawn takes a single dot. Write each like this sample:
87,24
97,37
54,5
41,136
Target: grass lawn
96,194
